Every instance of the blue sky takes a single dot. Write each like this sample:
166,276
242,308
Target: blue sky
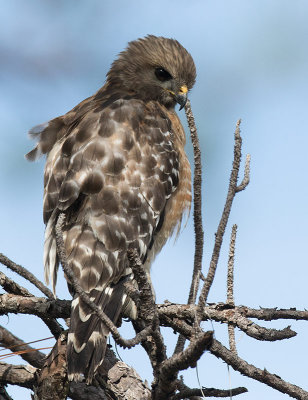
252,63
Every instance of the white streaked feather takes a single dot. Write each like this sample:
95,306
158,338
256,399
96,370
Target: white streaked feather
71,338
50,253
53,265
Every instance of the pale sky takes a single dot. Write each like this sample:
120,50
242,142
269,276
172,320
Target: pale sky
252,63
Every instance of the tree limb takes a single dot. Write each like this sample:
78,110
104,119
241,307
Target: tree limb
12,342
25,274
21,375
258,374
198,225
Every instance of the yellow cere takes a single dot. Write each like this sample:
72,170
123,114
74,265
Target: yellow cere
183,89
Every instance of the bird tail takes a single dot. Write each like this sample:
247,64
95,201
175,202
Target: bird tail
87,337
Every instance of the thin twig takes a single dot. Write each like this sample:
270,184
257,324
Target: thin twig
11,286
198,225
269,314
246,178
230,278
208,392
12,342
231,335
258,374
230,286
147,311
188,358
25,274
223,221
174,315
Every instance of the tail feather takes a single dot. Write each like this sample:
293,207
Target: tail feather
87,339
51,261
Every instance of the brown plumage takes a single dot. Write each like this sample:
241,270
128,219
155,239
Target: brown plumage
116,166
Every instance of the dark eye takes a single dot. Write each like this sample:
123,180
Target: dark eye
162,74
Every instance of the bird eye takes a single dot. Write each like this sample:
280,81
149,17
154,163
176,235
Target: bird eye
162,74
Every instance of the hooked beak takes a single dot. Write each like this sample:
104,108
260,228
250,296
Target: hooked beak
181,97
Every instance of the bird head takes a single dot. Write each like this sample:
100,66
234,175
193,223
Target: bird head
155,68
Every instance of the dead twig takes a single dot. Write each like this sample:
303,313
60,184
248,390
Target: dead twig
198,225
21,375
13,343
174,315
230,286
223,221
246,178
41,307
208,392
187,358
12,287
25,274
258,374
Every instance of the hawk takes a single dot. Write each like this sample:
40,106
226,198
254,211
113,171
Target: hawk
117,168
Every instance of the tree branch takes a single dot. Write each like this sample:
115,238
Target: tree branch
187,358
230,286
25,274
223,221
13,343
253,372
21,375
12,287
246,178
208,392
198,225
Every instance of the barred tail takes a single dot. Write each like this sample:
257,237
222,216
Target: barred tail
87,338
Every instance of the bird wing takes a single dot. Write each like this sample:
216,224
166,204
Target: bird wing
112,170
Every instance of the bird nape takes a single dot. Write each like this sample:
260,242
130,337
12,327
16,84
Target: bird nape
117,168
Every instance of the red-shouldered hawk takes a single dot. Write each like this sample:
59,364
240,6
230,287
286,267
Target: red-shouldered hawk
116,166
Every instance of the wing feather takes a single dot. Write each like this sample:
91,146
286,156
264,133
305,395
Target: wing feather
112,171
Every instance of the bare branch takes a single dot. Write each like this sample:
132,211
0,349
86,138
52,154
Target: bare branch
246,178
269,314
146,306
12,287
38,306
223,221
208,392
221,313
147,310
188,358
230,286
198,225
231,335
25,274
230,278
21,375
253,372
199,234
12,342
